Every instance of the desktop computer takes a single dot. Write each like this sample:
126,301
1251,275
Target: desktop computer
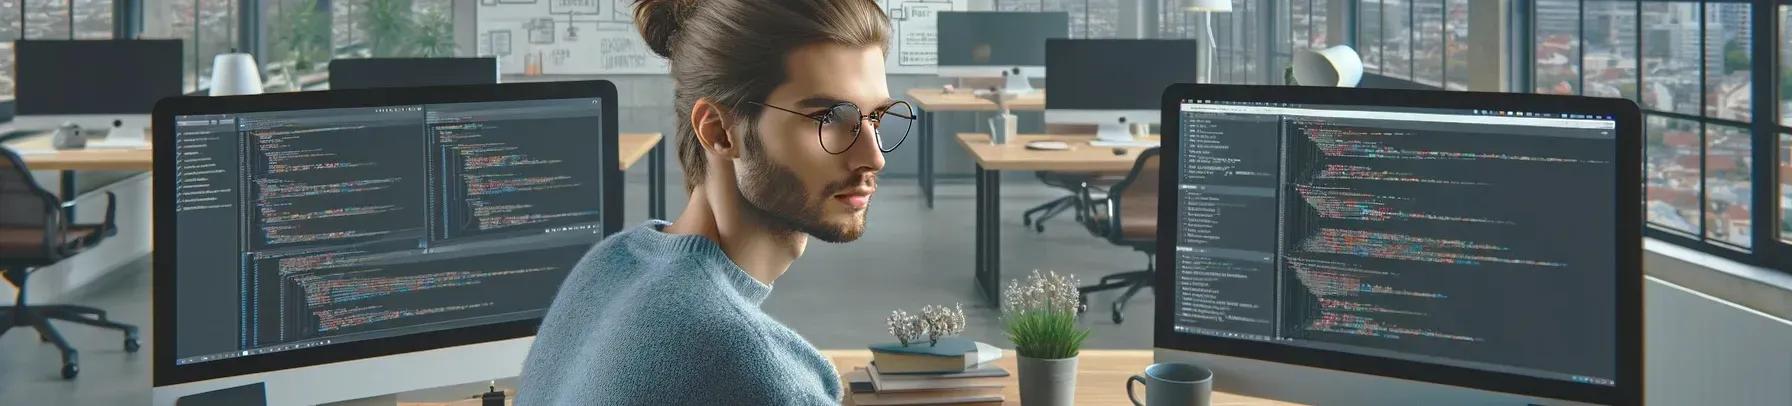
1114,84
346,244
1368,247
365,73
998,44
108,85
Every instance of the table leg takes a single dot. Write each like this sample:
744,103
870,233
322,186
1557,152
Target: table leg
656,181
989,240
68,197
925,158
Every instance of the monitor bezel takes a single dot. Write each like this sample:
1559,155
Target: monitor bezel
1629,281
166,373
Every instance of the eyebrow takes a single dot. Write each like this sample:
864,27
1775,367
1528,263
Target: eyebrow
824,101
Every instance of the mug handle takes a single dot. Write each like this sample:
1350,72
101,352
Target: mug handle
1129,395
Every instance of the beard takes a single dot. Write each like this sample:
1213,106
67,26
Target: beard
776,197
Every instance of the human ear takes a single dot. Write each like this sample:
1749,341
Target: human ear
710,122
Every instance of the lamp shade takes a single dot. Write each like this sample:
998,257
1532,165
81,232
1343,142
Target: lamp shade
1217,6
235,74
1337,66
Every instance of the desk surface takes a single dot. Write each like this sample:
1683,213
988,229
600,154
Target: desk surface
1014,156
632,146
1101,376
936,99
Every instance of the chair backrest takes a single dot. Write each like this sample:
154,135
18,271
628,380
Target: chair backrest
1134,202
27,211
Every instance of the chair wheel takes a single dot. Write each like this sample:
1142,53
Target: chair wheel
1082,304
131,345
1039,228
1026,221
69,370
1118,306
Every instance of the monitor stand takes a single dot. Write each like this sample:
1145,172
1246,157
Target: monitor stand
1118,131
1014,83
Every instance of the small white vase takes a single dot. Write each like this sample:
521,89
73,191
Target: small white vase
1047,382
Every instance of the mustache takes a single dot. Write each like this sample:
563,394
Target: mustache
866,178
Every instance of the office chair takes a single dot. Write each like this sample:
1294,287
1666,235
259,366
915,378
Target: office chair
1127,217
1070,181
32,235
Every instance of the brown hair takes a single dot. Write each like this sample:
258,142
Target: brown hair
732,51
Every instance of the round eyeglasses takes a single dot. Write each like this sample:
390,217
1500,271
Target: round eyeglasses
839,126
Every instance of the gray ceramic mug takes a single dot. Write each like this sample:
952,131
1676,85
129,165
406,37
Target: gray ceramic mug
1173,384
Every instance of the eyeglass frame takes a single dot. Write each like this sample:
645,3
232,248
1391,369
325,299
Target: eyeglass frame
876,116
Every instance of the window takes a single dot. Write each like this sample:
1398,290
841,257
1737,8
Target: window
1557,46
1308,24
392,28
1784,170
1428,50
1609,59
1397,39
47,19
1727,187
1671,55
1728,85
1456,45
93,19
1239,38
207,28
1369,34
1671,173
298,53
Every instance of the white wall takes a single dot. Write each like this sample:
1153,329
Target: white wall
1701,350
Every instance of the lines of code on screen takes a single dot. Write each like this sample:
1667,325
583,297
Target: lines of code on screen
363,223
1458,241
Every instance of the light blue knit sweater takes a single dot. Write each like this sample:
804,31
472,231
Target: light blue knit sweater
649,318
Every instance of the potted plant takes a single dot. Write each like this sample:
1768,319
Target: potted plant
1040,317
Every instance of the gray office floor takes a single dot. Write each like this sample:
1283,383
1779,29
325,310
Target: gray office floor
837,295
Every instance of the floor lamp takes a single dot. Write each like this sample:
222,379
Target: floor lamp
1207,8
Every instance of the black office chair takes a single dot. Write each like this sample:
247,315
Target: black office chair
1127,217
33,234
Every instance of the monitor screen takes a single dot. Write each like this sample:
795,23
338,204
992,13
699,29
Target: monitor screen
998,38
409,72
323,227
1477,239
84,77
1095,74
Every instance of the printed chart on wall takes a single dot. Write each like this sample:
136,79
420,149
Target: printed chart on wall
564,37
913,33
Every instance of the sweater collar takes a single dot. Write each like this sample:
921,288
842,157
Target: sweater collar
684,244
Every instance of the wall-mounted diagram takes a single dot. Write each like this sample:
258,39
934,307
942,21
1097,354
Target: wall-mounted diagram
565,37
914,40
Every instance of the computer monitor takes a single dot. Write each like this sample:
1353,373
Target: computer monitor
346,244
97,84
1375,247
365,73
997,44
1113,83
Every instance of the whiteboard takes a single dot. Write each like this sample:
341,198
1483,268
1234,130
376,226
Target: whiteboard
914,37
564,37
593,37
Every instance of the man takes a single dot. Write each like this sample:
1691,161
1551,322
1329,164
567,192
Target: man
782,109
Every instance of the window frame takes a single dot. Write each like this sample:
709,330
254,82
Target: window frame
1765,249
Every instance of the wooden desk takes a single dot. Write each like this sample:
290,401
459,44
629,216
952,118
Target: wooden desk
1101,376
929,100
631,147
936,99
1014,156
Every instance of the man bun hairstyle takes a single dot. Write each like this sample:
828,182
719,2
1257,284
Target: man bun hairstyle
732,52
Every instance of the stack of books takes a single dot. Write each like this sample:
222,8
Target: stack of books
953,372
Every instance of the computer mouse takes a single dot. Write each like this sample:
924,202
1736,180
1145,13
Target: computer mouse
1119,151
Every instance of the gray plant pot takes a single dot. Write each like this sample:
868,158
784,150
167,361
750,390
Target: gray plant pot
1047,382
